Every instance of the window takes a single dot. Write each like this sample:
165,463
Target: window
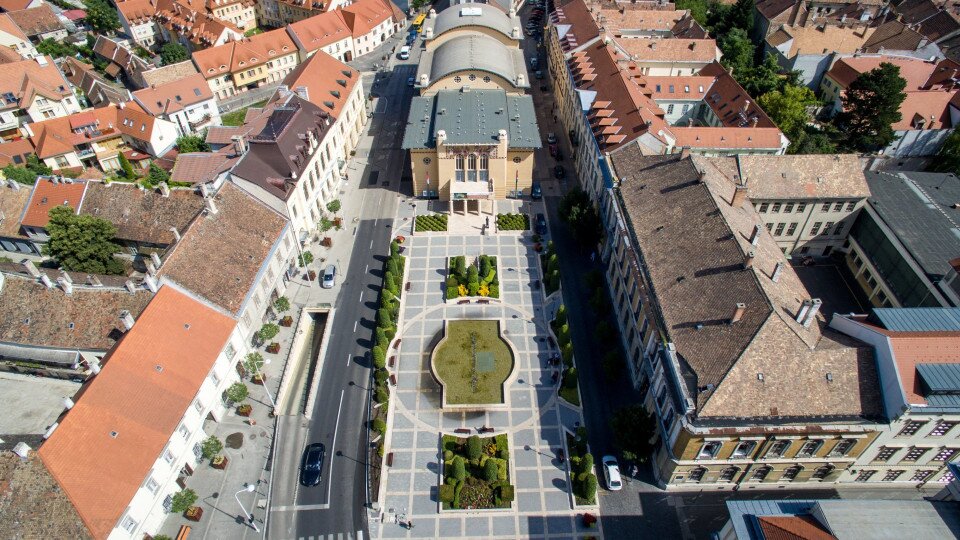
744,449
825,207
484,166
670,108
884,454
851,206
892,475
944,454
198,405
668,420
914,453
779,231
792,229
686,107
728,474
168,456
822,472
769,226
458,167
229,351
842,447
787,208
184,432
152,485
864,476
777,449
921,476
941,429
696,474
946,478
128,524
827,227
661,397
215,379
761,473
709,450
910,428
791,472
838,207
801,207
839,230
763,208
816,228
809,448
776,208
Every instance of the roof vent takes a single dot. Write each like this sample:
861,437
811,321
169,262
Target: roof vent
114,434
738,312
829,377
760,377
159,368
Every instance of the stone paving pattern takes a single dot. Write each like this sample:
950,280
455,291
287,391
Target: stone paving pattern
543,507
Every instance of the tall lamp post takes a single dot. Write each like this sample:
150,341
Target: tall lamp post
249,488
256,369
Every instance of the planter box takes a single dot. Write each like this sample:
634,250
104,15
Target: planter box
244,410
219,462
311,275
194,513
326,242
273,348
286,321
258,379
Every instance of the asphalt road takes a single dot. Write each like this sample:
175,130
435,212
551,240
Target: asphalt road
339,417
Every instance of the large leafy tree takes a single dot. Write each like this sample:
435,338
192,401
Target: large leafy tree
101,16
577,210
815,141
761,79
948,158
634,432
788,108
738,52
155,175
871,105
173,52
192,143
82,243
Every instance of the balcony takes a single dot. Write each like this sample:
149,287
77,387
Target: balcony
86,153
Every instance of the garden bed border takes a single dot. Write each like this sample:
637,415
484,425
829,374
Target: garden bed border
511,475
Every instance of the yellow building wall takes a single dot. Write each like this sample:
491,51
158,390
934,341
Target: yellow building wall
448,83
503,170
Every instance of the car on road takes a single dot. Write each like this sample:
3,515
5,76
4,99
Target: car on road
404,53
311,466
551,138
611,473
559,172
410,81
411,38
541,225
538,74
536,192
329,278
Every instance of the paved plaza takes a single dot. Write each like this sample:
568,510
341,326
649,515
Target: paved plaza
543,507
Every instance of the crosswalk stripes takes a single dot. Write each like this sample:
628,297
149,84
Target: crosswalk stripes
335,536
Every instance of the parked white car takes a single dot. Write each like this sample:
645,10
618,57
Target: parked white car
611,473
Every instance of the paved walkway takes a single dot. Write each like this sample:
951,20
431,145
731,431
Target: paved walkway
534,422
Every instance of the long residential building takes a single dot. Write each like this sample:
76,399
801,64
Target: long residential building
32,91
248,63
747,382
348,32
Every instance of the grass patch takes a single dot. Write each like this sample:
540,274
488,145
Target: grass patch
466,380
252,32
476,472
432,222
513,222
235,118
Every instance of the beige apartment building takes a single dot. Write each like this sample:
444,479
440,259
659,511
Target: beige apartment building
249,63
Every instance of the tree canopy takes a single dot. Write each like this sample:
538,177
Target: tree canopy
871,105
173,52
948,158
28,173
577,209
156,174
192,143
101,16
634,429
788,108
82,243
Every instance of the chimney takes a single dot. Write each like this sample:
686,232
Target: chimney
502,135
211,206
176,234
127,319
424,80
150,282
777,270
14,185
804,308
755,235
738,312
22,449
685,153
812,313
303,93
283,90
130,286
516,32
441,136
164,189
754,122
66,277
151,268
204,188
748,260
739,195
521,79
428,33
239,145
94,280
31,268
156,259
65,284
432,13
67,403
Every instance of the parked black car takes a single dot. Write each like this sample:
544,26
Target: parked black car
559,172
311,466
541,226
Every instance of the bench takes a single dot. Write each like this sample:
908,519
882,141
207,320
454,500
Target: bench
396,344
407,287
393,361
460,302
483,301
465,431
390,459
184,532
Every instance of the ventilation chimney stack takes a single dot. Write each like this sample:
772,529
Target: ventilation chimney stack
804,308
155,259
176,234
150,282
127,319
31,268
211,206
755,235
65,284
777,270
46,280
812,312
748,260
164,189
739,195
131,287
738,312
67,403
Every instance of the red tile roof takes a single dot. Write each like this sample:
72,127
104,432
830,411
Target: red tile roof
322,75
172,97
793,528
103,448
921,348
244,54
320,30
47,195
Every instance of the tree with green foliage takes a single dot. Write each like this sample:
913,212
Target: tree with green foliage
253,362
379,357
788,108
948,158
379,426
458,469
590,487
173,52
871,105
237,392
699,9
474,447
281,304
738,52
28,173
816,141
156,175
561,316
182,501
56,49
192,143
126,168
211,447
333,206
578,211
634,429
384,318
267,332
82,243
740,15
761,79
101,16
380,338
490,471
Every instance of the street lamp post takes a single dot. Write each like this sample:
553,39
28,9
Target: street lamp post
256,369
249,488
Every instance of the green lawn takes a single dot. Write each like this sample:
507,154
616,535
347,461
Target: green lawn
453,363
235,118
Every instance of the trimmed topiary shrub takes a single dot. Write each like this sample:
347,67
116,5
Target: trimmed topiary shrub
381,394
447,456
445,493
506,493
590,487
561,317
490,470
474,447
378,425
458,469
379,357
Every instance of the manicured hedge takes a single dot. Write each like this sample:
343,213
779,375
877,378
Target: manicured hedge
432,222
513,222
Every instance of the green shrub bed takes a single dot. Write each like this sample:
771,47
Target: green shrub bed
513,222
581,469
480,278
561,328
476,472
551,268
431,222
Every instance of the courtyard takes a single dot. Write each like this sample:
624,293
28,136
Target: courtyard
535,421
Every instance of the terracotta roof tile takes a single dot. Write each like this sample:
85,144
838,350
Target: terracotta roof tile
12,204
15,152
174,96
202,167
362,16
815,176
26,78
38,20
320,30
671,50
793,528
9,26
244,54
328,81
144,216
237,241
46,195
102,450
13,5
